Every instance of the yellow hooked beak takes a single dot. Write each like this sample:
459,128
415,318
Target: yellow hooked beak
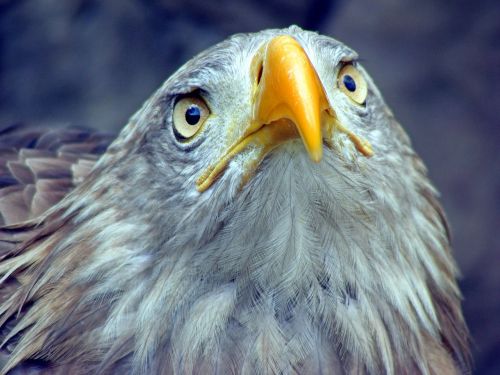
289,102
290,89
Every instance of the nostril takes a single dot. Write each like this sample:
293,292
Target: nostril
259,73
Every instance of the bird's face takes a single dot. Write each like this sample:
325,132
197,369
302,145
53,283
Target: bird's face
257,108
267,90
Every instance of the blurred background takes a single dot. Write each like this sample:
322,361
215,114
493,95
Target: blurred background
93,63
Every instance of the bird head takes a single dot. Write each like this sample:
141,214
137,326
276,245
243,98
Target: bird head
257,108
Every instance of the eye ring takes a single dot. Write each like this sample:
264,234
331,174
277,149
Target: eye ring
189,114
352,83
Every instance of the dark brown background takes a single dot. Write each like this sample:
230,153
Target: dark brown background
92,63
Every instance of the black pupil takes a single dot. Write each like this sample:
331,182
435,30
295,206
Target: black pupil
349,83
193,115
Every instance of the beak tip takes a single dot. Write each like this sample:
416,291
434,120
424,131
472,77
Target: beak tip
316,155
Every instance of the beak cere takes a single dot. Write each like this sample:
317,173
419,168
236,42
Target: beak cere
288,103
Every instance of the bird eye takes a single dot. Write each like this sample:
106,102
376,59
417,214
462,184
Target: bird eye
189,115
352,83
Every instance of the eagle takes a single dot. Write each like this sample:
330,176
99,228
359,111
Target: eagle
262,213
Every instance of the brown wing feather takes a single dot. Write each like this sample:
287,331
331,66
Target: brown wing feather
38,167
454,332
